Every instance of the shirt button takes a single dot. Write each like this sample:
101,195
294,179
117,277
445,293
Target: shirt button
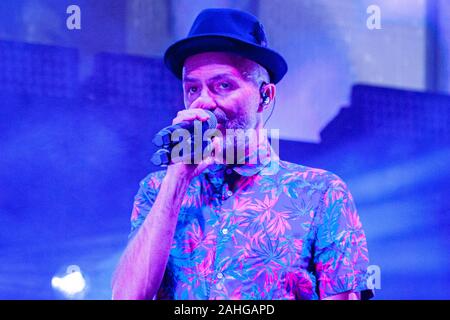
220,275
229,171
224,231
229,193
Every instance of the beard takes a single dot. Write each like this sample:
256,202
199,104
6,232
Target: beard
234,148
238,121
241,121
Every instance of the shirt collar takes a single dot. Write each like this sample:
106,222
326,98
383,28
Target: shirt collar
266,163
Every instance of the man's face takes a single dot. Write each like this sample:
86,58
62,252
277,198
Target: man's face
215,80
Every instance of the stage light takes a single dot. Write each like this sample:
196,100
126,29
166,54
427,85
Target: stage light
72,283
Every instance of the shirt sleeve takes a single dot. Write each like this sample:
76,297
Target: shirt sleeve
340,251
142,205
144,200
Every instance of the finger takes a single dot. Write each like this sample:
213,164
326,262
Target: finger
199,111
192,114
217,145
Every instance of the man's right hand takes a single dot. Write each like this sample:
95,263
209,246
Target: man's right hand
191,170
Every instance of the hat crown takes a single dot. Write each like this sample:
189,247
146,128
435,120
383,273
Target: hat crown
229,22
226,30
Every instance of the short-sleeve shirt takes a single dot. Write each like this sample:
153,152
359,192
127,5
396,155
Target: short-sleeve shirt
255,232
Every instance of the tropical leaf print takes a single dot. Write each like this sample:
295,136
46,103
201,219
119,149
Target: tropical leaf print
293,233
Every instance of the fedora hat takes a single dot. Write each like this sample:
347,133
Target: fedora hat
226,30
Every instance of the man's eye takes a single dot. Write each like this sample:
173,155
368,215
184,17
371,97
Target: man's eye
192,90
224,85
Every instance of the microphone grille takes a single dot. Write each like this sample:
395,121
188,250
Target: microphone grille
212,121
220,115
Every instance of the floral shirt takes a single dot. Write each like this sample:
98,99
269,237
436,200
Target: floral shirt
254,232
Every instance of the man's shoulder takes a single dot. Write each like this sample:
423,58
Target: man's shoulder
153,180
288,171
301,172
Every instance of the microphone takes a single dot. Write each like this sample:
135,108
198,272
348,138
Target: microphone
163,138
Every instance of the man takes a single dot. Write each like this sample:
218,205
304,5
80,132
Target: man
251,230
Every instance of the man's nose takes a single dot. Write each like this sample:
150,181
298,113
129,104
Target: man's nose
205,101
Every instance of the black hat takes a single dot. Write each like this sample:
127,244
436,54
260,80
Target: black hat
226,30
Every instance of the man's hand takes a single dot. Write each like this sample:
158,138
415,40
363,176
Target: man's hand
349,295
192,170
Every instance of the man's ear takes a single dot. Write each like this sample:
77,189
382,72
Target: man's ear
267,92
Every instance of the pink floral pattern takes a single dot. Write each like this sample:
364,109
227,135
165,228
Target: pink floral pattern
289,234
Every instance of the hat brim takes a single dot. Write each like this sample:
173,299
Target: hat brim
177,53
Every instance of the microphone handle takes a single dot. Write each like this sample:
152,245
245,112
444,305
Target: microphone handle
163,157
163,137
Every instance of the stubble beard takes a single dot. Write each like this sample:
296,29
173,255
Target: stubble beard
240,123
